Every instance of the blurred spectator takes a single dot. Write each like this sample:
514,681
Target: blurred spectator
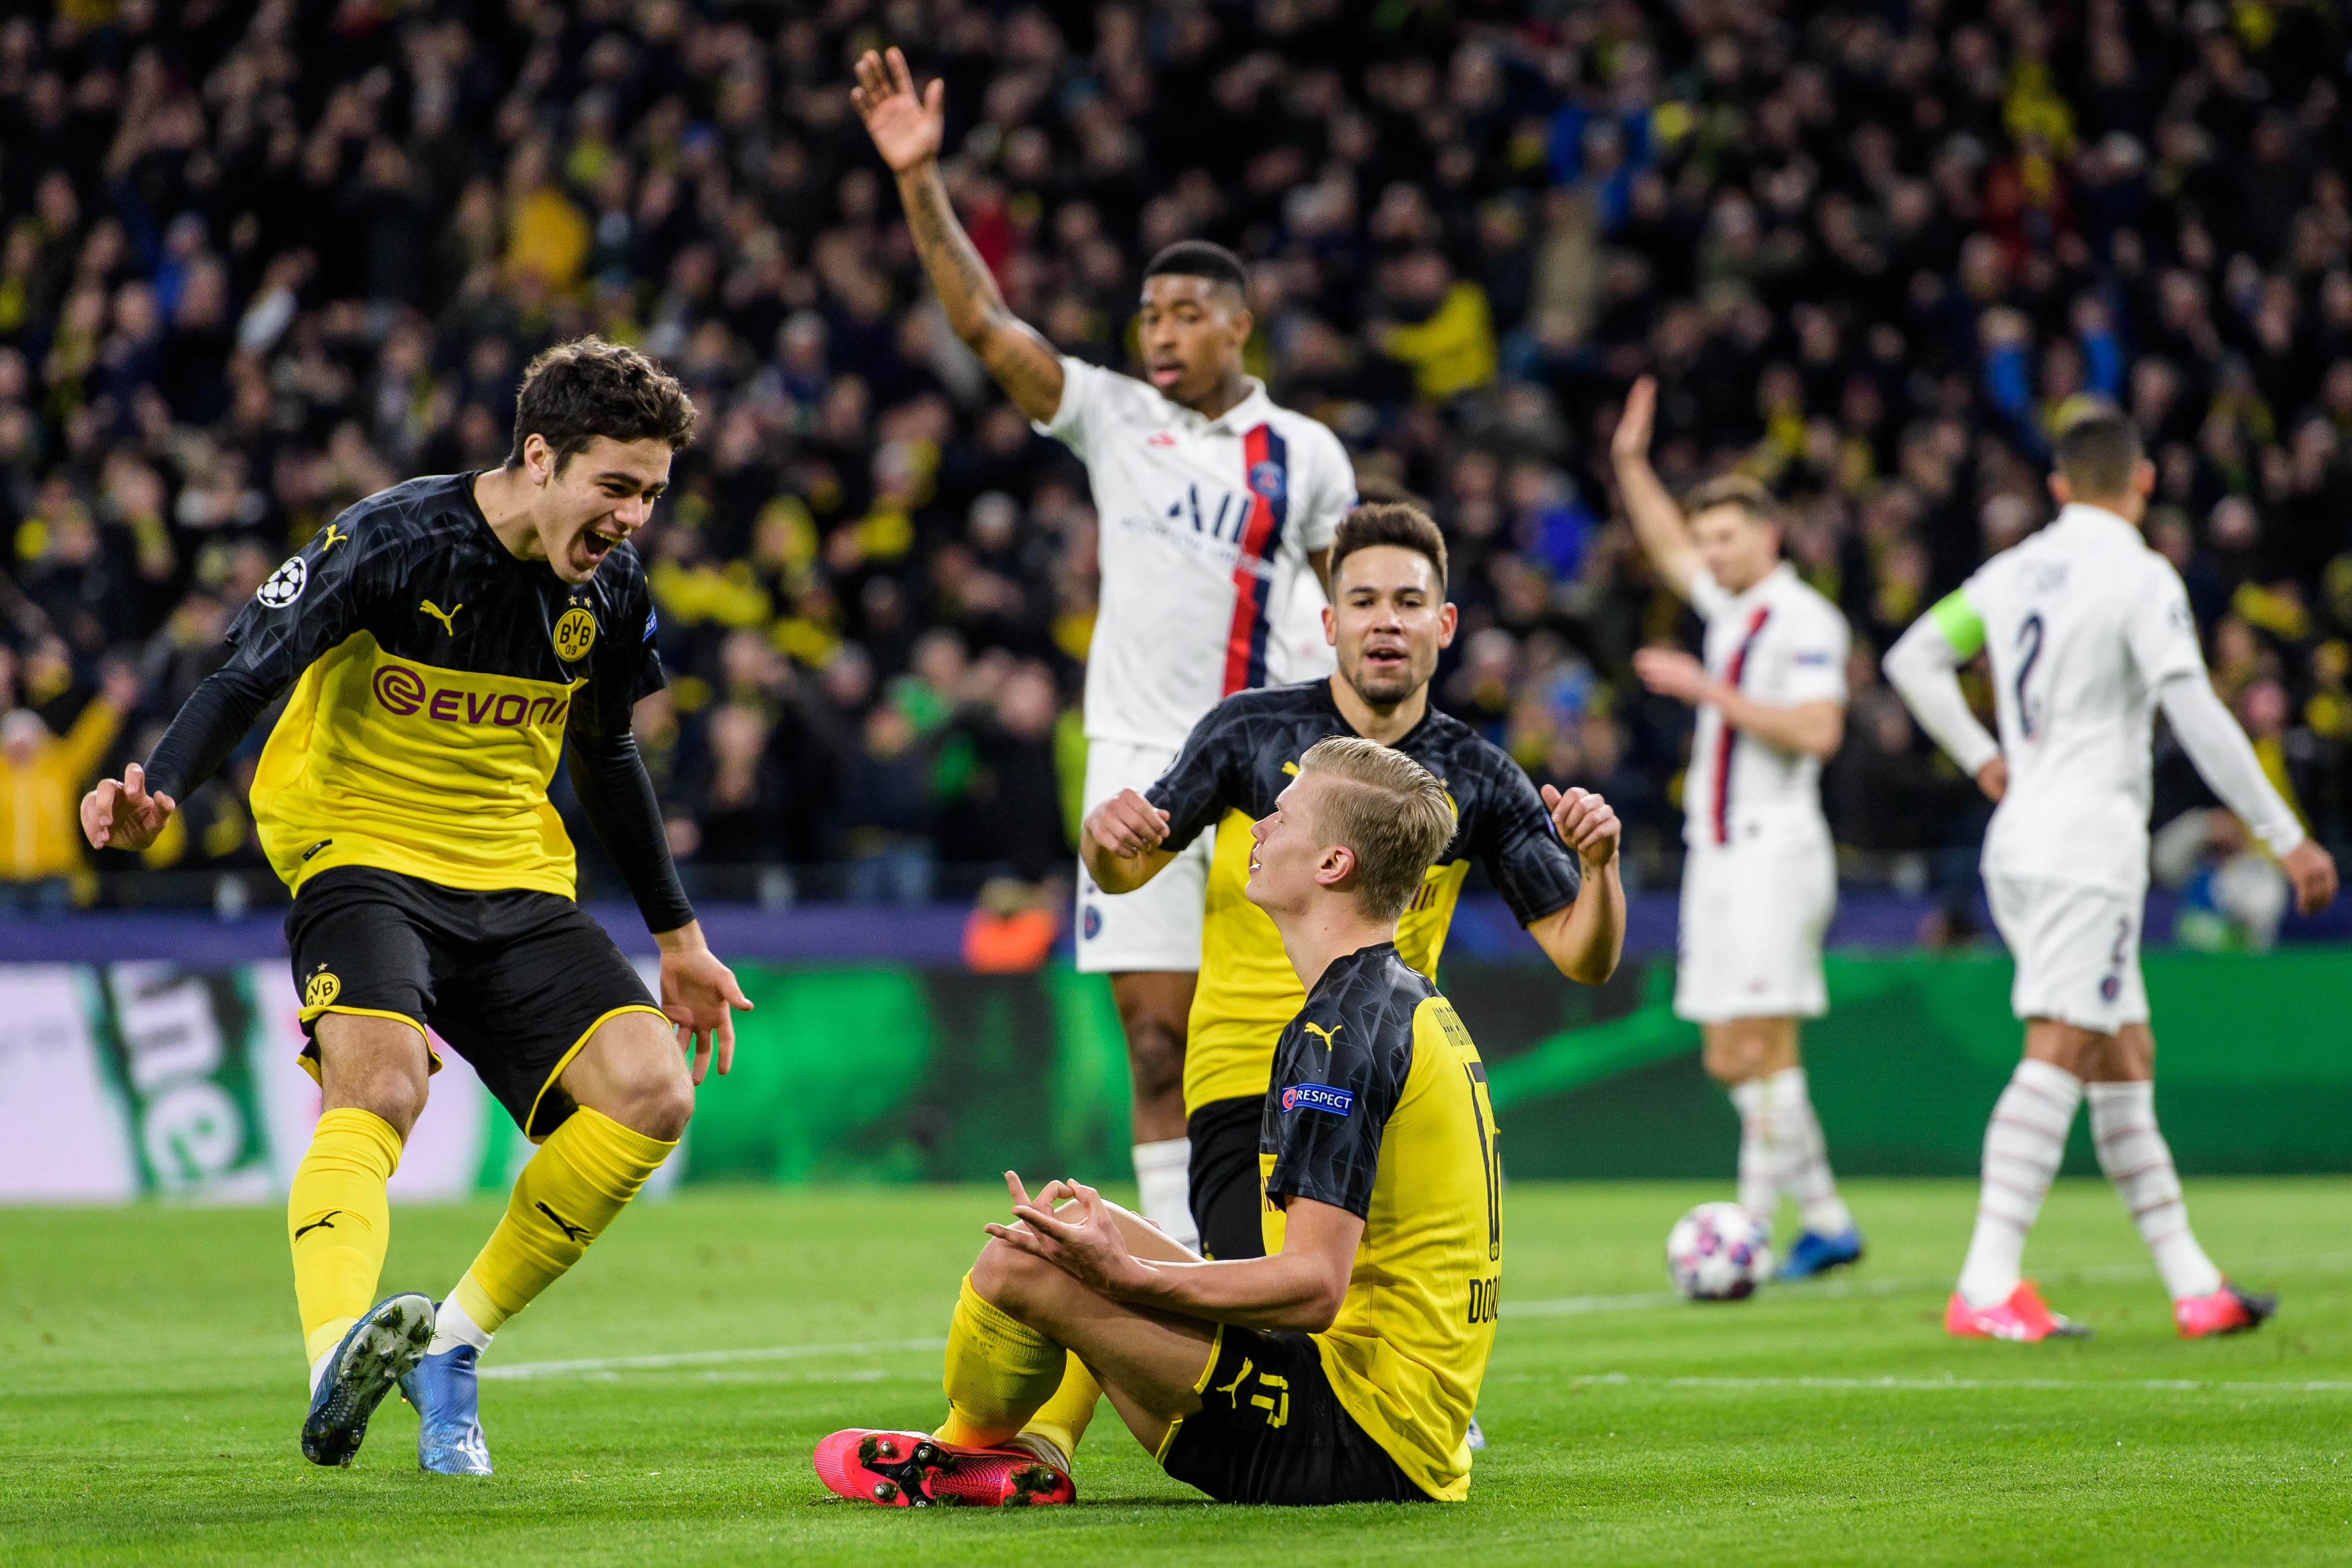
42,778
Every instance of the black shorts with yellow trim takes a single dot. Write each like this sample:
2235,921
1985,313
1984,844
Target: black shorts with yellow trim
515,981
1228,1198
1271,1430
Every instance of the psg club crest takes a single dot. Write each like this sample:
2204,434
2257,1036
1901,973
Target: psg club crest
1267,479
1093,922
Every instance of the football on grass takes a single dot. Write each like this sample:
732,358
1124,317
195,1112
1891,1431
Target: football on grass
1717,1252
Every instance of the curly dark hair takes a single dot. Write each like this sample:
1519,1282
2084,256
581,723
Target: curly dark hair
576,392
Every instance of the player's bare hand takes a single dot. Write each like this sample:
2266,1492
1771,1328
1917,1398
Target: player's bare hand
908,127
1127,824
1081,1239
1994,778
120,815
1586,823
1671,673
699,994
1631,442
2312,870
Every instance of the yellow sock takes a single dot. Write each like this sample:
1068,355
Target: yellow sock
339,1222
999,1371
1062,1420
582,1176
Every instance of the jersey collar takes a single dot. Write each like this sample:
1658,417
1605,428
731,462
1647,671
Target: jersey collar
1252,410
2075,514
1323,693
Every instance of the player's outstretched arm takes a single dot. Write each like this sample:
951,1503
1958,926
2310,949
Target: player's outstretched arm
1585,940
907,128
1658,522
1299,1289
1816,729
2226,760
1924,669
1120,842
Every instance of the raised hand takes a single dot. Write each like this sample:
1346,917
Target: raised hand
120,815
1633,438
1586,823
907,128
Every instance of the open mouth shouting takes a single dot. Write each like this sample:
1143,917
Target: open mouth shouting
595,543
1165,373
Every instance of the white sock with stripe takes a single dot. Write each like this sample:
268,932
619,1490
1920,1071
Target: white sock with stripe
2023,1145
1803,1154
1759,1167
2140,1163
1163,1188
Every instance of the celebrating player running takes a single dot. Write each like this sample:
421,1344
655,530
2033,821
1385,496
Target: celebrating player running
2088,632
1211,500
452,636
1760,874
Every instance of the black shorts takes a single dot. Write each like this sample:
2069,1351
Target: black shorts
515,981
1271,1430
1227,1194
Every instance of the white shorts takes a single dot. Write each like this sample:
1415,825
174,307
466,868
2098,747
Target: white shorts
1751,943
1156,929
2077,951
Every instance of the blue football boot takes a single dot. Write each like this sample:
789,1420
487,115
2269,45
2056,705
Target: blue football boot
1815,1254
383,1346
449,1441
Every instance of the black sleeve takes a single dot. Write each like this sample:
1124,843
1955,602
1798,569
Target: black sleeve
1535,874
610,780
1332,1101
312,601
1193,791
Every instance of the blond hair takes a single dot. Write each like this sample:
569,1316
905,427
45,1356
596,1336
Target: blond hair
1388,810
1738,490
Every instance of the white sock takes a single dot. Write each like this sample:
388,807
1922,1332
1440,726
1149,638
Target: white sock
1163,1181
1759,1165
452,1327
1804,1156
2137,1161
2023,1145
319,1367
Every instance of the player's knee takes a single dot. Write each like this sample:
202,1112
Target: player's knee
395,1096
657,1105
1008,1279
1155,1057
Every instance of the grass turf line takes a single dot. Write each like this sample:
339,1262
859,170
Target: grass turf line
151,1389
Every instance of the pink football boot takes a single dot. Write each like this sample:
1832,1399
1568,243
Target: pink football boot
2227,1310
911,1470
2023,1318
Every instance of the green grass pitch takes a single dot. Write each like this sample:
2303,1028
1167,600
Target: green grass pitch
151,1388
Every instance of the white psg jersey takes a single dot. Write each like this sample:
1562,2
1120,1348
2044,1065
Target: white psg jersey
2082,624
1779,643
1205,525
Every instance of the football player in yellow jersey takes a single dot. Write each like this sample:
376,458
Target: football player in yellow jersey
447,640
1343,1365
1553,857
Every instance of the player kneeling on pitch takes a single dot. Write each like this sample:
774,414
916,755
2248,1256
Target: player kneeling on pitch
1344,1365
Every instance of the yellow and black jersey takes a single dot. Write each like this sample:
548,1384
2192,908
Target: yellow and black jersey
1243,753
437,678
1377,1106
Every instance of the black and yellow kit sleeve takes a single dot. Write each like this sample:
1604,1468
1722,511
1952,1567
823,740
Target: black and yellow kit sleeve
1238,759
437,679
1377,1106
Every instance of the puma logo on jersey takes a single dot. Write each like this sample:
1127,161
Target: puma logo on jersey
335,536
448,618
1317,1029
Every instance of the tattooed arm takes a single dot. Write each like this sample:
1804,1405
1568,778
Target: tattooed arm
907,128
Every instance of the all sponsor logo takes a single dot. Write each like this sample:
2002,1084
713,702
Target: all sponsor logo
1318,1097
406,693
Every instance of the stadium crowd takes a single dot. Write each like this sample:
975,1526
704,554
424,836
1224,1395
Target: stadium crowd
259,261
